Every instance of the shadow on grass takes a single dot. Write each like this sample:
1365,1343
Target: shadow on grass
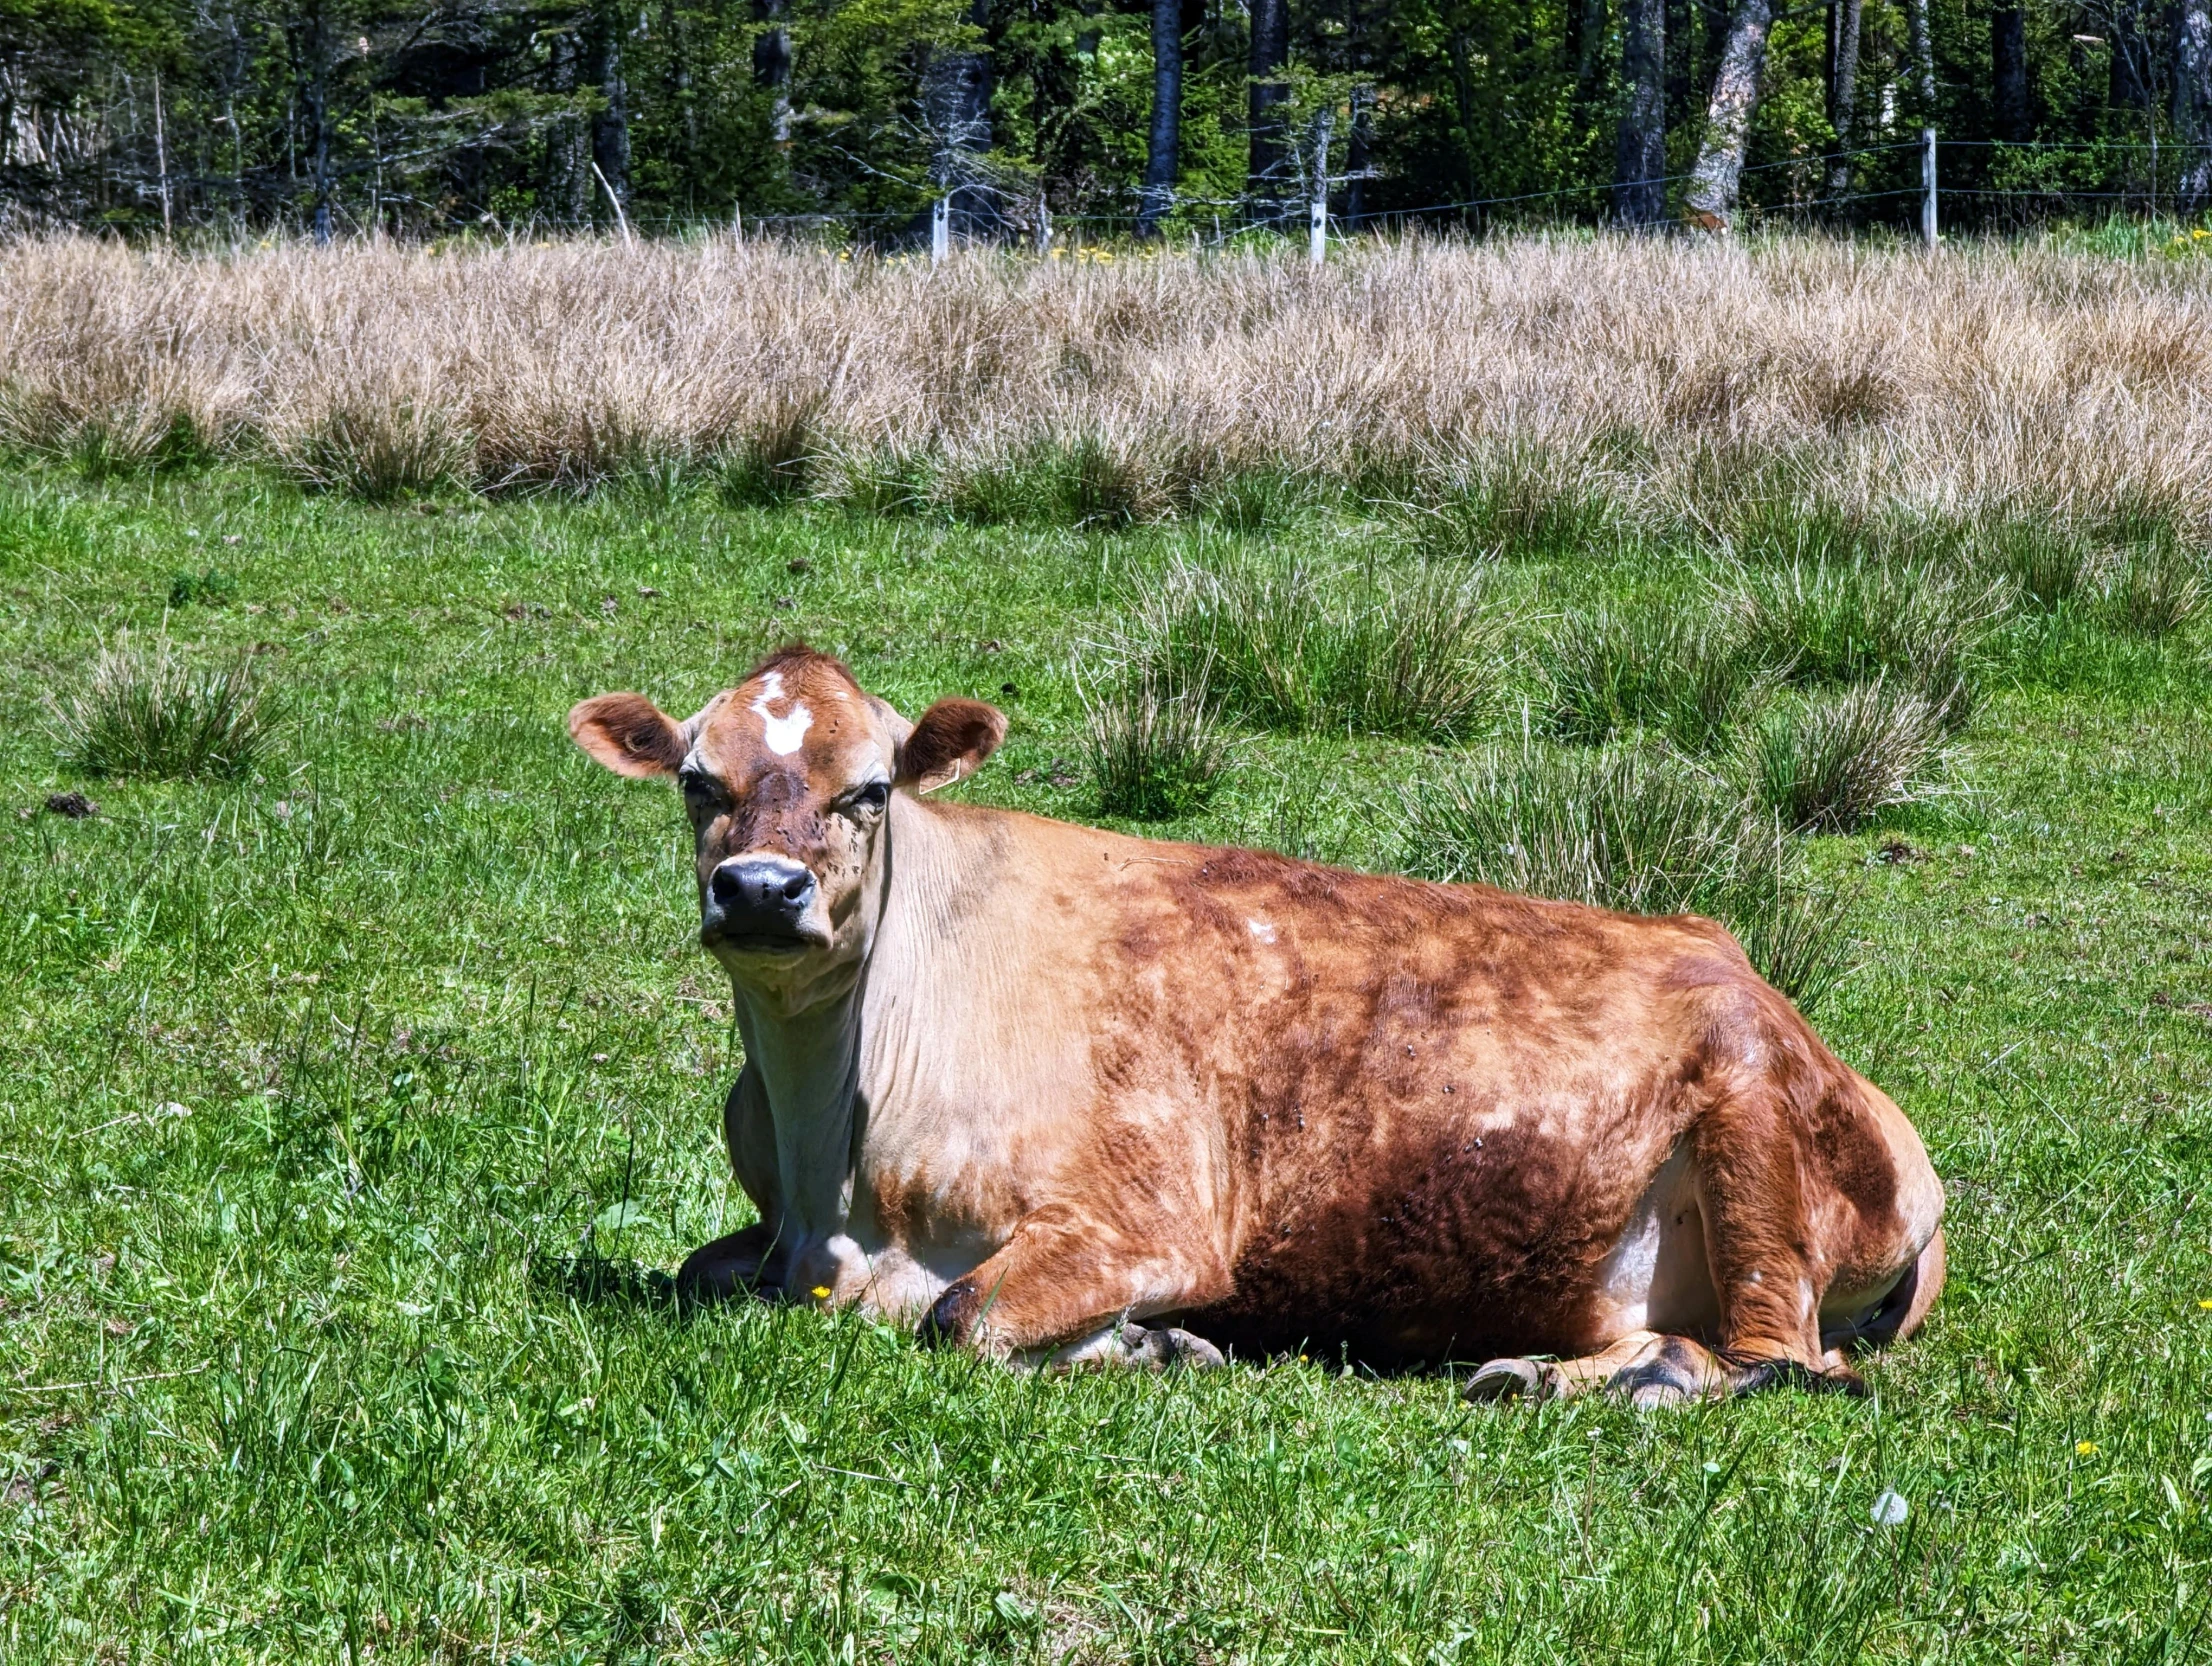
593,1280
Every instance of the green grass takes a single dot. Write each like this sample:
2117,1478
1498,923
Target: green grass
347,1108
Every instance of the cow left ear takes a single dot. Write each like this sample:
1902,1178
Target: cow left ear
950,741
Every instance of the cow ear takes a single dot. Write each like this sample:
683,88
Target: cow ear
949,741
629,734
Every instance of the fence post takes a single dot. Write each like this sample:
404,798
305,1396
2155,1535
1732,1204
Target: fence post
1317,209
940,230
1044,223
1928,186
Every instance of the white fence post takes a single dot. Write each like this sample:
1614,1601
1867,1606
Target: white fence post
1928,186
1044,222
940,230
1317,208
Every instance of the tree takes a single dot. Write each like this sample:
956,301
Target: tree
1710,202
1164,142
1640,162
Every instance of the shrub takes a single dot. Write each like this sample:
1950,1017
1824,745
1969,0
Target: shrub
1155,748
1633,829
1287,647
2161,589
1831,763
1688,676
1854,621
148,713
206,588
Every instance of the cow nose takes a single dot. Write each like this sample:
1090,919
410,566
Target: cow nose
756,893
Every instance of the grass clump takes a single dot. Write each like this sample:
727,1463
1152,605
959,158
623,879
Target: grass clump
1291,647
1635,829
2049,566
1855,621
1832,762
149,713
376,452
2161,589
1155,749
1521,502
1687,675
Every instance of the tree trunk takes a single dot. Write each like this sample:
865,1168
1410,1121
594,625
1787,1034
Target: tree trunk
2008,66
318,115
1264,180
2193,103
1358,151
1463,92
956,98
1640,153
1163,150
772,66
2129,86
1710,202
567,140
1843,92
610,127
1586,41
1923,58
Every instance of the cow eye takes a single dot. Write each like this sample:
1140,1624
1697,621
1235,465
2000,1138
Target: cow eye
698,786
873,796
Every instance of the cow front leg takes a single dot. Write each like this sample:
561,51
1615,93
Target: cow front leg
731,1265
1065,1293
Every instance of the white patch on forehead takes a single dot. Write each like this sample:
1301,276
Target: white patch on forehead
1260,929
784,733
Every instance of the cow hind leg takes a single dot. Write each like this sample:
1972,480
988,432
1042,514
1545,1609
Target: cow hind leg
1062,1294
1648,1370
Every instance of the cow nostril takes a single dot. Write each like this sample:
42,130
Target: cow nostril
797,886
725,887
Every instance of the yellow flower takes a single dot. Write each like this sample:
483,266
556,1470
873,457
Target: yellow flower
821,1292
2085,1449
2205,1302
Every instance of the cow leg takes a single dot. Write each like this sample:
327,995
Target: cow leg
729,1266
1061,1293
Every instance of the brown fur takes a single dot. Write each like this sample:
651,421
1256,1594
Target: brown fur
1290,1106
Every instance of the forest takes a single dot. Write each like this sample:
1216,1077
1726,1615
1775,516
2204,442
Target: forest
1027,119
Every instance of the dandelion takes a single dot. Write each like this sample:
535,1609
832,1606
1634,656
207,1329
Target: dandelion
2205,1302
1890,1509
821,1292
2085,1449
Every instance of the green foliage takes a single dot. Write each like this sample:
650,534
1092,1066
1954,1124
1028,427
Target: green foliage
1832,762
1690,674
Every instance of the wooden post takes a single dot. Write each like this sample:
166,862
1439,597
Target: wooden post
940,230
1928,186
1044,223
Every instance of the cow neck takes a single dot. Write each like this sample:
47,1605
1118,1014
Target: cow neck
809,1066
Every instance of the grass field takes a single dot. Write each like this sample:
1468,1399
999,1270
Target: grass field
349,1107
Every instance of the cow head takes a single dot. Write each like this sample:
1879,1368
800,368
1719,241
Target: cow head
788,780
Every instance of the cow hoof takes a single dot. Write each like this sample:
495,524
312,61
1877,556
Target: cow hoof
1507,1379
1168,1350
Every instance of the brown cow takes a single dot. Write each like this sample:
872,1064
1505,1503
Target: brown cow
1030,1082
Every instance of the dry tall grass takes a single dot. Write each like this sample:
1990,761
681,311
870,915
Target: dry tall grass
1672,379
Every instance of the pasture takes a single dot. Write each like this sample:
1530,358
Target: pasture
356,1095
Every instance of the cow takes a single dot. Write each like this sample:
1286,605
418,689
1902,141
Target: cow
1067,1097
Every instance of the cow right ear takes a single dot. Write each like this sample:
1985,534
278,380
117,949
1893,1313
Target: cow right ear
629,734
